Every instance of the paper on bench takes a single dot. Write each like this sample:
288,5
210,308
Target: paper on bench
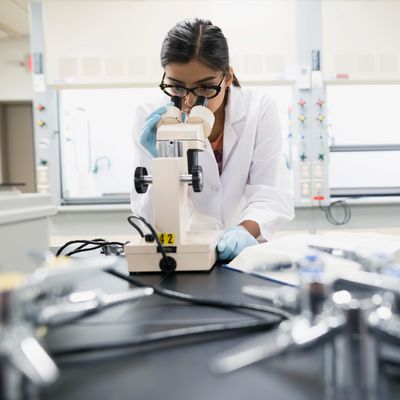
257,260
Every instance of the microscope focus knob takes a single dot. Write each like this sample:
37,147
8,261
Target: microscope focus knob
197,178
140,184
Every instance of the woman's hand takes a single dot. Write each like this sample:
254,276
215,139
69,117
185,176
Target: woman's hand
148,137
233,241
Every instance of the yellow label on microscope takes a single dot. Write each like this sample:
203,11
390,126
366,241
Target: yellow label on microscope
167,238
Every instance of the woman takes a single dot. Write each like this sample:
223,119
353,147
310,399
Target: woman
246,185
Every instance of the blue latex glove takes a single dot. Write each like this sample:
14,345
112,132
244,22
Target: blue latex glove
233,241
148,137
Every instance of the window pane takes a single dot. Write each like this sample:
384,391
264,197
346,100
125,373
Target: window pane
368,169
96,140
364,114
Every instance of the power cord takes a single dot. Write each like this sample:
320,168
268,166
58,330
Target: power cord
329,216
170,293
179,333
203,301
136,226
118,249
241,326
151,229
106,247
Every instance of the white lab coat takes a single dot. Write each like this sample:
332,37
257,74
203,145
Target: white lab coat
254,184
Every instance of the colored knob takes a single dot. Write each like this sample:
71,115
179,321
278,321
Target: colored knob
320,102
40,107
320,118
40,123
302,118
301,102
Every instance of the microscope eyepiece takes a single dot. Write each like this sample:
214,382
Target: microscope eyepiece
201,101
177,101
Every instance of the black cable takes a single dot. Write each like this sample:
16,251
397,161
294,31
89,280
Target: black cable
181,296
83,246
97,243
242,326
202,301
153,232
169,293
85,243
329,216
246,326
100,246
135,225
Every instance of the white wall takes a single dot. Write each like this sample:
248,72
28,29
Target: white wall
2,143
361,40
15,79
121,44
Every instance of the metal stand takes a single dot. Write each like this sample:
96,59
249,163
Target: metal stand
350,324
45,298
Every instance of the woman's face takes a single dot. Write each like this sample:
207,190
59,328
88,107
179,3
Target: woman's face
193,74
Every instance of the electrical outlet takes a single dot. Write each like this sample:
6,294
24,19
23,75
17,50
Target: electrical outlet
305,171
305,189
318,170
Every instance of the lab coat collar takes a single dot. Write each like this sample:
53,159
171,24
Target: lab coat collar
234,113
235,108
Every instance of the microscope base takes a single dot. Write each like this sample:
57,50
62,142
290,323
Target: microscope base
197,253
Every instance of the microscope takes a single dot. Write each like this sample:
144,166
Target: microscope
175,247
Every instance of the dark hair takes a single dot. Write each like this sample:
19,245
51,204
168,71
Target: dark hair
196,39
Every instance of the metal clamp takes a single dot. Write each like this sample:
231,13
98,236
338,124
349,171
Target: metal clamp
46,298
349,327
